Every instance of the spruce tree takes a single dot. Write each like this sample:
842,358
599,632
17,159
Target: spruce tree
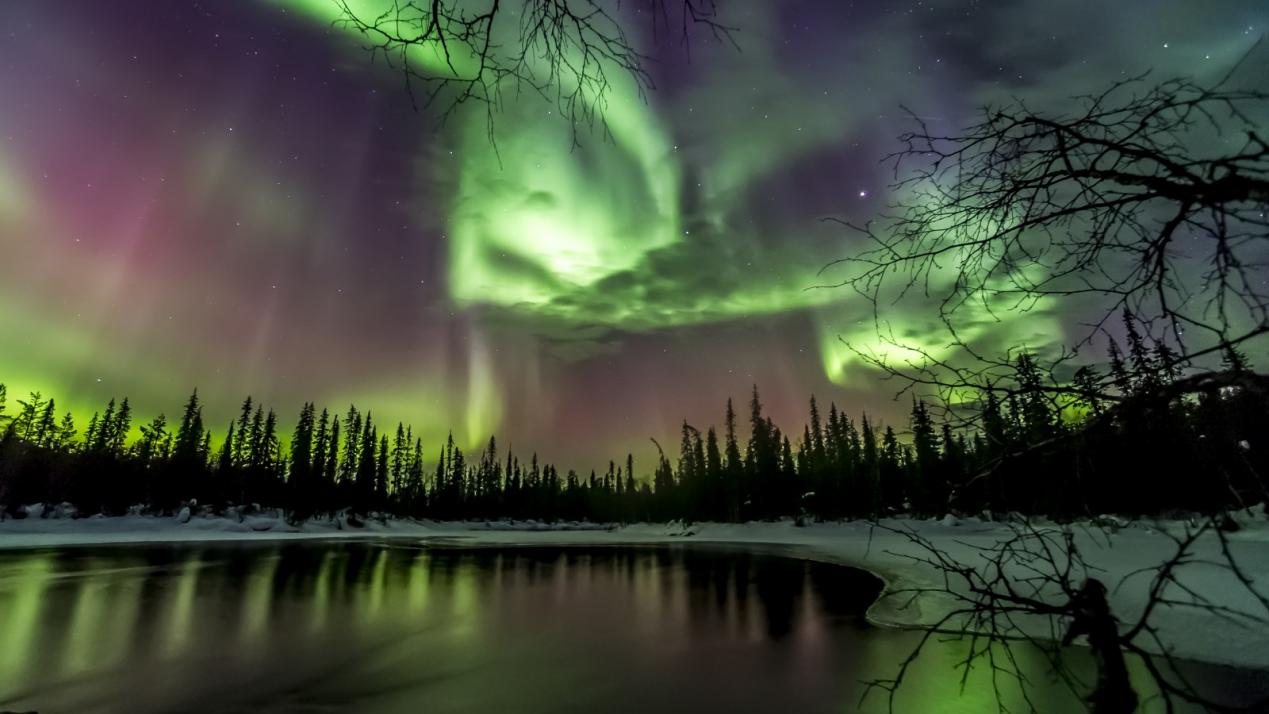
792,490
1232,359
714,477
416,492
630,486
119,430
256,453
870,468
364,479
103,437
189,436
1143,365
687,468
330,473
352,440
817,438
457,475
1119,373
382,469
46,426
321,449
25,424
269,441
1086,380
225,461
242,447
924,490
91,434
301,467
66,432
952,464
149,447
400,458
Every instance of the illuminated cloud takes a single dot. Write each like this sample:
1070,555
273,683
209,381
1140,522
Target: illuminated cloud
233,196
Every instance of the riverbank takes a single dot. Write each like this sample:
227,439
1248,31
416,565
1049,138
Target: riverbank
1123,557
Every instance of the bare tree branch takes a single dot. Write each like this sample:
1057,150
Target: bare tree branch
565,51
1033,587
1150,199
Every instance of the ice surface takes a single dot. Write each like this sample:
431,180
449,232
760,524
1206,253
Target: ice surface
1117,550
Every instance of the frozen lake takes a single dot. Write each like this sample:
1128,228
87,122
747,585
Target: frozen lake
396,627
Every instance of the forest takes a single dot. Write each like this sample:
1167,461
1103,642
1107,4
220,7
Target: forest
1156,450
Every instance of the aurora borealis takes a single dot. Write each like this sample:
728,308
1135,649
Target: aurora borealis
232,196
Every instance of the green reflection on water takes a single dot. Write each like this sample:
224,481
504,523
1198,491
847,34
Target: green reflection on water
179,622
257,602
387,628
22,605
86,618
320,609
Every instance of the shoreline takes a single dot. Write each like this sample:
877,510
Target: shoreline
1193,635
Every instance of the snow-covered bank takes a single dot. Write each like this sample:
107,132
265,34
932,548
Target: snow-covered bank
1137,548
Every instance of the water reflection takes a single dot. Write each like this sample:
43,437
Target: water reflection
379,627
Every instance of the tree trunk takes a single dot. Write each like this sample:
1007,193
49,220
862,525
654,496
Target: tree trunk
1113,693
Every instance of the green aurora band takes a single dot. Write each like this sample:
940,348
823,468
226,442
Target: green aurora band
597,236
674,220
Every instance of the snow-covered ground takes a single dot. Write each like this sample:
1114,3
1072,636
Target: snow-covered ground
1137,548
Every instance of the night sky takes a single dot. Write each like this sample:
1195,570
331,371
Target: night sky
230,195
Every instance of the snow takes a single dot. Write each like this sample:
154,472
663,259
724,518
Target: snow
1123,553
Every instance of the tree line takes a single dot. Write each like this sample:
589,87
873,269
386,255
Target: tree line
1147,453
